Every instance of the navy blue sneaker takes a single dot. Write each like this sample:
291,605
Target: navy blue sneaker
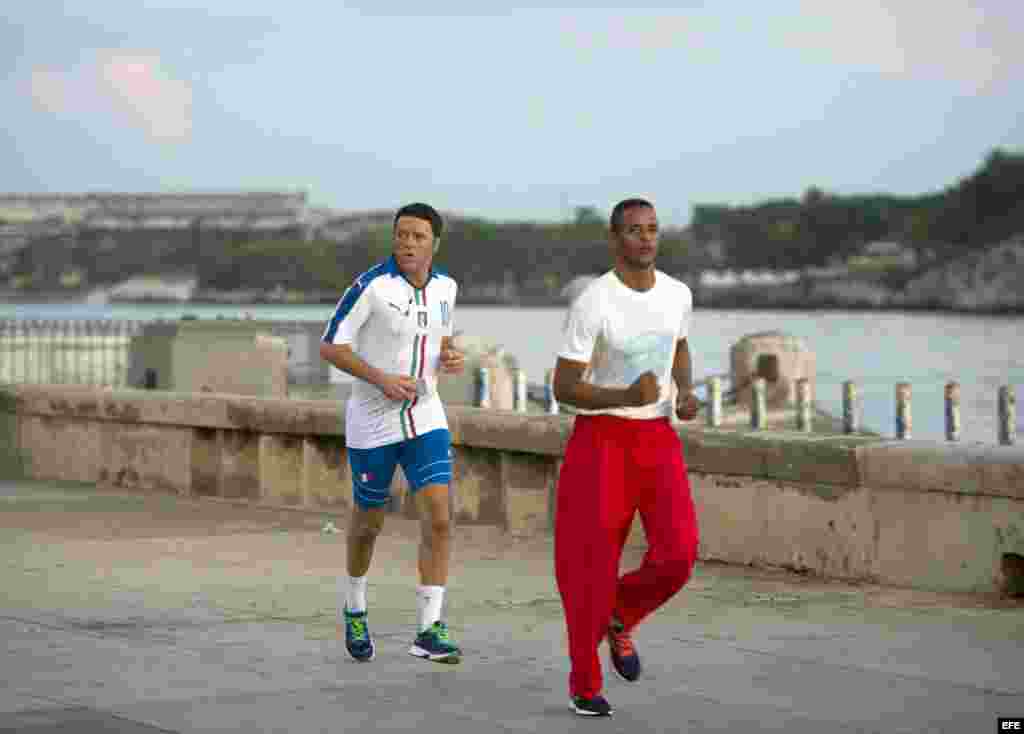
358,641
625,659
596,706
434,643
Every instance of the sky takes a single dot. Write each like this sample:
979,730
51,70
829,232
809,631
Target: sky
508,111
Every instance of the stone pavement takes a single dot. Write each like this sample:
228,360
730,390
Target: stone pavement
128,613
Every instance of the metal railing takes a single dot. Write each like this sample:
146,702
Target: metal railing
97,352
66,352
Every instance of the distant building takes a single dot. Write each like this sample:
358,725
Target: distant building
731,278
26,217
885,253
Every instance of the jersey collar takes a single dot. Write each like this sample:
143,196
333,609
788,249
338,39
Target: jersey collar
391,267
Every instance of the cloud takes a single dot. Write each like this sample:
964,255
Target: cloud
973,44
131,87
970,43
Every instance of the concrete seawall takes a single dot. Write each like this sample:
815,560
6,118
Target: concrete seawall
919,514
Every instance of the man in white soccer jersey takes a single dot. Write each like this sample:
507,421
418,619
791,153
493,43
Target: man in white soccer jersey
625,343
392,331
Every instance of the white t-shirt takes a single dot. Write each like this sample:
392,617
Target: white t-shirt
394,327
622,333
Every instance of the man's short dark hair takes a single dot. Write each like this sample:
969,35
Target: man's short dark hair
421,211
619,212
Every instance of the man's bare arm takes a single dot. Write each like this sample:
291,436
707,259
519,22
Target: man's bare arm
682,368
570,388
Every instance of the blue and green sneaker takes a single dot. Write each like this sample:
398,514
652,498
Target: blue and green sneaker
434,643
358,641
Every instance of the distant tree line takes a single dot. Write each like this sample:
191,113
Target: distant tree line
978,211
491,260
520,261
534,260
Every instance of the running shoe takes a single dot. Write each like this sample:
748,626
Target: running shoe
625,659
358,641
434,643
596,706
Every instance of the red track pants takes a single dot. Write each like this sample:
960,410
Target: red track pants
613,467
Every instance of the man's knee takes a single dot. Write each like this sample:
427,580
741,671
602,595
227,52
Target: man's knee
675,571
367,524
436,527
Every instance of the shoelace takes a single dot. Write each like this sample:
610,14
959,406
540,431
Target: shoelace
623,643
441,631
358,628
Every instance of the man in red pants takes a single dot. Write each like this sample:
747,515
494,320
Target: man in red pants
625,339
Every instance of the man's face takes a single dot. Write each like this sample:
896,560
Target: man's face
414,244
636,242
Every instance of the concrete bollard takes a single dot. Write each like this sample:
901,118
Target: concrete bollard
78,351
519,390
67,356
551,405
483,387
952,394
1007,415
851,412
758,404
714,402
88,355
904,423
804,414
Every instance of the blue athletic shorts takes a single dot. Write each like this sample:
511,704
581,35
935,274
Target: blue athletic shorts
426,459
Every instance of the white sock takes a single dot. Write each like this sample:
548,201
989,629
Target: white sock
352,593
429,600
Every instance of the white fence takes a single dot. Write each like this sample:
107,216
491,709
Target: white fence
66,352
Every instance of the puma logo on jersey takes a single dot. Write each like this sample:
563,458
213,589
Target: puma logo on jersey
404,313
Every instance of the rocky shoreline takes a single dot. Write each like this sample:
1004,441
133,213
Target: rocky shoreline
988,283
726,301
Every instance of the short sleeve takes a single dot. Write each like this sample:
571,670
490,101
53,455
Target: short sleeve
448,311
582,324
349,316
686,312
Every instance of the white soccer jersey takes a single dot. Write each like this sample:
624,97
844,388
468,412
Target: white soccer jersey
395,327
622,333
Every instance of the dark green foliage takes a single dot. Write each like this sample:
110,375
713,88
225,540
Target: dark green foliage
979,211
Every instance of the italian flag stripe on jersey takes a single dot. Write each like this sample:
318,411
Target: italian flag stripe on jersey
419,349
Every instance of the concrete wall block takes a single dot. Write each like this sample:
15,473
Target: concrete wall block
921,466
299,417
60,448
477,495
785,455
528,472
785,525
204,466
281,461
1002,471
714,452
230,357
239,465
538,434
12,463
526,512
945,541
146,457
526,481
326,475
